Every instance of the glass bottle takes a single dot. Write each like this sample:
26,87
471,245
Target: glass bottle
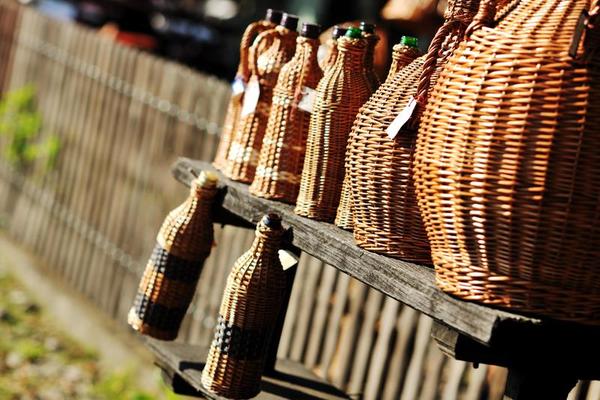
169,281
372,40
249,310
284,145
247,46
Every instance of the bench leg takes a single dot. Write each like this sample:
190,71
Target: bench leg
537,382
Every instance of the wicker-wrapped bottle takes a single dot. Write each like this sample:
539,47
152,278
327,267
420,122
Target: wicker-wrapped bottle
169,281
284,145
372,40
329,60
247,46
340,94
244,150
403,54
249,310
380,154
507,163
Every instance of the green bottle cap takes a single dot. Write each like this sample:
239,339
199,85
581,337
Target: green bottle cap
354,33
409,41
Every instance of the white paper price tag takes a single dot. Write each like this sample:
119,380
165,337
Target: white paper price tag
251,96
402,118
308,99
287,259
238,86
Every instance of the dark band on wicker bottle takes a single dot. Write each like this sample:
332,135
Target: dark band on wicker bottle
169,281
403,54
247,46
369,34
244,151
340,94
249,311
284,145
329,60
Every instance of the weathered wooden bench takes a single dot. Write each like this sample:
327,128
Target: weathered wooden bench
545,358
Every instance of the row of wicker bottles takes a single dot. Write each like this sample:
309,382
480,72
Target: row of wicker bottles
251,301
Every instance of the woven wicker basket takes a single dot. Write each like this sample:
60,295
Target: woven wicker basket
402,56
508,166
329,60
169,281
284,145
249,311
247,46
386,217
340,94
244,150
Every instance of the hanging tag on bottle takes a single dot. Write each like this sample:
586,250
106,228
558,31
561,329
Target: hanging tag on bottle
238,86
308,99
287,259
402,118
251,96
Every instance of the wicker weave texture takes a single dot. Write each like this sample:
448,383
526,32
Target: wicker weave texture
386,215
284,144
372,40
247,47
508,167
340,94
244,150
332,52
169,281
249,310
401,57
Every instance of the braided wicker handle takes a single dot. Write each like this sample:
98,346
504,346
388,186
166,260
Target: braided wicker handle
263,41
247,40
484,17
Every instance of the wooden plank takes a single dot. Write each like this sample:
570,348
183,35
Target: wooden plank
290,379
409,283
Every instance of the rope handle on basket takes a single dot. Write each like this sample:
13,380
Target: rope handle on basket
484,17
268,37
588,21
245,45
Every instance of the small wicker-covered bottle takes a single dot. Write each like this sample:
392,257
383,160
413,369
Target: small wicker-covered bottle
169,281
403,54
329,59
372,40
249,310
340,94
244,150
385,213
284,145
247,46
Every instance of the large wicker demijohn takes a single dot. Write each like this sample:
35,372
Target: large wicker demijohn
249,310
244,150
508,164
284,145
340,94
169,281
386,217
403,54
247,46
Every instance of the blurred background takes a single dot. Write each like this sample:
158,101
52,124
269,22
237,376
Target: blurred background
97,101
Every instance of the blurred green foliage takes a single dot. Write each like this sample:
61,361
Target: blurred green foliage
20,129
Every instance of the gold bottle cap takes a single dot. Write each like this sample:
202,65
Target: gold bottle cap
207,179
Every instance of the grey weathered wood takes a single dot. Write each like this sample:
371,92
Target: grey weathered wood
290,379
409,283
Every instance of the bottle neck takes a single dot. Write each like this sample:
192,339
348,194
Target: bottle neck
372,41
402,55
351,52
267,241
306,50
199,191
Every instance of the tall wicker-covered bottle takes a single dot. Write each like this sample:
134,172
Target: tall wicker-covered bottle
169,281
329,60
284,145
249,310
247,47
385,213
340,94
244,151
372,40
403,54
508,165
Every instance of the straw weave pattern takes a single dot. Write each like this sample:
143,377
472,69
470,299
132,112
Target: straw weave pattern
244,151
248,313
284,145
508,167
169,280
234,107
332,52
340,94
